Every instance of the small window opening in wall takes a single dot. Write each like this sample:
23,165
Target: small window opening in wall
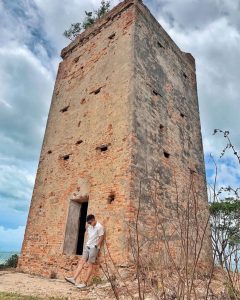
182,115
160,45
185,75
111,198
83,101
96,91
64,109
166,154
66,157
81,229
155,93
79,142
112,36
102,148
192,171
50,152
161,127
76,59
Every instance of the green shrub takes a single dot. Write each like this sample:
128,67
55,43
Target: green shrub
12,261
89,20
97,280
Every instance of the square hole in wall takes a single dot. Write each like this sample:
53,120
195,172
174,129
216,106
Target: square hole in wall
66,157
111,198
155,96
161,127
102,148
83,101
182,115
155,93
160,45
64,109
166,154
97,91
76,59
112,36
192,171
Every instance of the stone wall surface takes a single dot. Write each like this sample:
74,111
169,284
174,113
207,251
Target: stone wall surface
123,84
89,108
168,163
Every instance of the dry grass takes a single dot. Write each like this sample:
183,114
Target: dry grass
14,296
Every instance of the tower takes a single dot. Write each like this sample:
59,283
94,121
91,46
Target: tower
124,117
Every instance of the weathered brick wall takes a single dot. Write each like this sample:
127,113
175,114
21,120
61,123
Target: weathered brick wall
89,104
125,84
166,122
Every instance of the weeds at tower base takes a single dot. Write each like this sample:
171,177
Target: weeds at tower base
160,271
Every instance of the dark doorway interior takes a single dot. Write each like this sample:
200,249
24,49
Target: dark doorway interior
81,230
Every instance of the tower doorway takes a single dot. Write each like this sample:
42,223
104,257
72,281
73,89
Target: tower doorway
75,227
82,227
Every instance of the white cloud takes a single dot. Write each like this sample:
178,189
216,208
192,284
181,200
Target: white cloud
27,78
18,189
25,94
211,32
11,239
228,174
216,51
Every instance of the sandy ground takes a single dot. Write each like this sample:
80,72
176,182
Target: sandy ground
25,284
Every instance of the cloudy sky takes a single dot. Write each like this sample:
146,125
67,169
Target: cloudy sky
30,42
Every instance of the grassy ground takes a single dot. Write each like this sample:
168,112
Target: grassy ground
13,296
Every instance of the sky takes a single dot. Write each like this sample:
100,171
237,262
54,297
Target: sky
30,43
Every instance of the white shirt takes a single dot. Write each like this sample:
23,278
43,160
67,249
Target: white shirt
94,233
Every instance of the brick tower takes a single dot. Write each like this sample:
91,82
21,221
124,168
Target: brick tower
124,115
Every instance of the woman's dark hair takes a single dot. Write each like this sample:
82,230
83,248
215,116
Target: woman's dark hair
90,218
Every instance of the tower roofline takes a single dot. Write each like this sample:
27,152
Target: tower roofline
97,26
94,29
184,56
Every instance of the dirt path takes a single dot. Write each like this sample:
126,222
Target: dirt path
25,284
29,285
